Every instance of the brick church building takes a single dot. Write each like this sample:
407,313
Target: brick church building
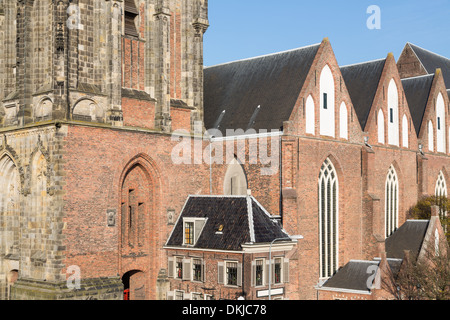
98,98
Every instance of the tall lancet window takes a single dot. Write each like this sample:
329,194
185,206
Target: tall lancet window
328,219
441,195
391,209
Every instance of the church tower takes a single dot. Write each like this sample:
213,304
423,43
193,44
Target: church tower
82,60
89,74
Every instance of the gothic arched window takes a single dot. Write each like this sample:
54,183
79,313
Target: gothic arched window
328,219
391,209
441,194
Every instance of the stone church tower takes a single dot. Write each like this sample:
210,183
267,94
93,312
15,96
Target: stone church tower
91,89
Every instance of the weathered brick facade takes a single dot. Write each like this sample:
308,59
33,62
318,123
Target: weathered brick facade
91,92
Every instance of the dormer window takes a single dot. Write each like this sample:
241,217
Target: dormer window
192,228
189,233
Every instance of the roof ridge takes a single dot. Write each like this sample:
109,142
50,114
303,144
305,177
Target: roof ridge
423,76
262,56
250,219
436,54
359,63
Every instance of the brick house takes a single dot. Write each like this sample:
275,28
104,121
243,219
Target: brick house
220,248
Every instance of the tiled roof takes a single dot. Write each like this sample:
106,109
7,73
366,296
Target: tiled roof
432,61
353,276
272,83
417,91
409,237
243,219
362,82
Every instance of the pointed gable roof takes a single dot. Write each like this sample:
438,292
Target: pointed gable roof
243,219
272,82
362,81
417,90
432,61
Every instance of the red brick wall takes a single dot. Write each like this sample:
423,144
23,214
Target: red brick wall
95,163
138,113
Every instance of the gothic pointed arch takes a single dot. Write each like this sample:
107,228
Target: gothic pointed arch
235,181
391,202
328,195
9,205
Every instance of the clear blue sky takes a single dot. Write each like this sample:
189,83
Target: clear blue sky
246,28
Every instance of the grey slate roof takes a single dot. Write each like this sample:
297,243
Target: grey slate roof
432,61
353,276
417,90
362,82
236,216
272,82
409,236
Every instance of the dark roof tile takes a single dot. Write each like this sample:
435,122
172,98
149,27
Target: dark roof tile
417,91
409,237
432,61
362,82
272,82
232,212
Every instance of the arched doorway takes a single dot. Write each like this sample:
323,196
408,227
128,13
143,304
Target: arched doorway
134,284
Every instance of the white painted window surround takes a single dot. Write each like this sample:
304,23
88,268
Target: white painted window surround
380,123
391,205
430,136
393,116
440,124
310,115
343,121
328,220
405,131
327,103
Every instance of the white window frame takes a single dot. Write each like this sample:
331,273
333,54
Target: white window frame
391,202
393,114
381,127
405,132
430,136
310,116
343,121
327,116
440,124
224,279
328,181
198,224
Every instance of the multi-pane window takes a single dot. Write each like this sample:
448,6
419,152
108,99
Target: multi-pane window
197,270
231,268
259,272
391,206
441,195
189,233
179,295
328,219
277,271
179,268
